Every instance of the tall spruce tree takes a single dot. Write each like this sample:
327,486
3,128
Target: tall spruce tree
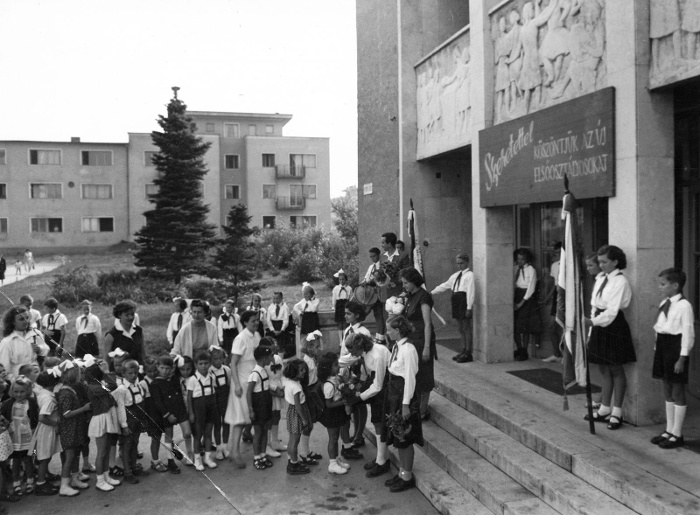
235,257
175,240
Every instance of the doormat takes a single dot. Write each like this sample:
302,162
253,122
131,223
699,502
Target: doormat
550,380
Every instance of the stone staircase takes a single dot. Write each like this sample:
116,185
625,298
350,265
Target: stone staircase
496,444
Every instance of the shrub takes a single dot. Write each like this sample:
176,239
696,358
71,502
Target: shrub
215,291
71,287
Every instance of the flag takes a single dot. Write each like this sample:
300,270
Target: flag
570,307
416,256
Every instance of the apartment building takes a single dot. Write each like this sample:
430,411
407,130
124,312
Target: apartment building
60,196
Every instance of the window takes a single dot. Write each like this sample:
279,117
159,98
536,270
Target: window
44,157
302,190
210,127
46,190
148,157
3,225
97,191
269,191
302,221
151,189
269,129
2,156
306,160
252,130
231,162
47,224
233,191
269,222
268,160
96,158
231,130
3,191
96,224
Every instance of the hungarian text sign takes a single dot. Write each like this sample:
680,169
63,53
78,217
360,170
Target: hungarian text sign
525,160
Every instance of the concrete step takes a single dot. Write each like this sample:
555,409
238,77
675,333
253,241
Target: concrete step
559,489
443,492
623,465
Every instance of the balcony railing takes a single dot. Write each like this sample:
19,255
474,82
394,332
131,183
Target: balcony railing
291,203
290,172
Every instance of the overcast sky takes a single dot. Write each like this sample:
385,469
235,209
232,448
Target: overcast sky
99,69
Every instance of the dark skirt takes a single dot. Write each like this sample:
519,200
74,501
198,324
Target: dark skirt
425,378
668,350
283,337
333,417
340,310
309,322
228,336
459,305
87,344
262,407
393,405
527,318
612,345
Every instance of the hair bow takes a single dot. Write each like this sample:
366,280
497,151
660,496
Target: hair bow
116,352
304,285
213,348
337,274
66,365
179,361
54,371
312,336
175,299
141,369
88,360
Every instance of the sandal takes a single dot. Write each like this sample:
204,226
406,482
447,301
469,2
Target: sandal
615,423
314,456
259,464
17,490
29,488
116,471
599,418
267,461
159,466
660,438
307,460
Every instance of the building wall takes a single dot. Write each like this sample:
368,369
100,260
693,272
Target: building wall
19,208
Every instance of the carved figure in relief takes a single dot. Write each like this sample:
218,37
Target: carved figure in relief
421,107
530,76
503,44
555,44
456,93
515,59
665,21
690,23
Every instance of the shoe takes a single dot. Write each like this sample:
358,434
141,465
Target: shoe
141,472
259,464
188,460
267,461
678,441
402,485
29,489
66,490
131,479
46,489
465,358
247,438
392,481
219,454
279,446
52,478
378,470
103,485
198,463
351,453
615,423
88,468
272,453
116,471
663,436
112,481
82,476
457,356
335,468
594,405
315,455
307,460
208,461
159,466
552,359
17,490
295,469
370,464
598,418
358,442
172,467
342,463
75,483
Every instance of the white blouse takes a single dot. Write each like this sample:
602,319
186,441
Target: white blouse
680,320
616,295
404,363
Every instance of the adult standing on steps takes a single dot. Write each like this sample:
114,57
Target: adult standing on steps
461,284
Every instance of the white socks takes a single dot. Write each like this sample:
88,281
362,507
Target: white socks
304,445
381,452
603,411
679,417
670,417
616,412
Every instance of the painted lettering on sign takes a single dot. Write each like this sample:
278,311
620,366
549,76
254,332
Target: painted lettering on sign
495,166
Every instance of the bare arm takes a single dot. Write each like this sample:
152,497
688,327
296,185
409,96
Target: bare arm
426,310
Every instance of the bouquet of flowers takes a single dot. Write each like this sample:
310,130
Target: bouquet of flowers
379,278
348,391
396,305
392,273
398,427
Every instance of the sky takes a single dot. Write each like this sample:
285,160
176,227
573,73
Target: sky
100,69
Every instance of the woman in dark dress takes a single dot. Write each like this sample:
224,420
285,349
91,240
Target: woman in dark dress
419,306
125,334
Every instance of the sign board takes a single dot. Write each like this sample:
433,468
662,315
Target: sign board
524,161
367,188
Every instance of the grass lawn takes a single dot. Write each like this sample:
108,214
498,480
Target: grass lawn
154,317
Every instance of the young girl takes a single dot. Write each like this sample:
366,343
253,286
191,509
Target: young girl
222,382
610,344
88,328
45,442
228,325
274,372
242,364
201,405
22,411
260,402
525,304
310,351
152,427
340,296
298,417
256,306
334,417
70,424
306,315
169,405
108,419
185,369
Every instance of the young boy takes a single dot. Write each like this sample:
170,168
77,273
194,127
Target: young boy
259,401
134,398
675,337
202,410
88,328
378,308
52,325
178,319
35,317
277,318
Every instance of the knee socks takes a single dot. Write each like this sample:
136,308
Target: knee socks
678,418
670,417
381,452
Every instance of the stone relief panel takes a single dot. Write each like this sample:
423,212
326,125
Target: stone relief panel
443,99
546,52
674,30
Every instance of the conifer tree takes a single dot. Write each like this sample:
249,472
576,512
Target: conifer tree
235,257
175,240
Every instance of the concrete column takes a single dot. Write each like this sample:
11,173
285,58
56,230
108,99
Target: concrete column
493,229
641,213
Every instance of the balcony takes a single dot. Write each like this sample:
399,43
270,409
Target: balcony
290,171
291,203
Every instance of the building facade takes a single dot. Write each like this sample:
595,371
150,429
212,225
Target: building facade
63,196
477,110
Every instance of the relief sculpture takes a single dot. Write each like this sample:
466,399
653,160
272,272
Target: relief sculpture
674,30
546,53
